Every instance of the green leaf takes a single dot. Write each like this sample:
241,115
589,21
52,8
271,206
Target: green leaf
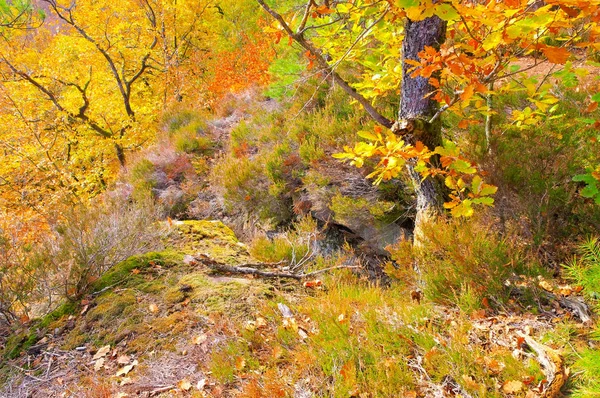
596,97
446,12
368,135
587,178
407,3
462,166
590,191
476,184
486,201
488,190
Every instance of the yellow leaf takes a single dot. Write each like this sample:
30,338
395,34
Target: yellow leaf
101,352
126,369
153,308
512,387
184,385
99,364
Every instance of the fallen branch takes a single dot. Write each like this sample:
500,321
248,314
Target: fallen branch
552,363
248,269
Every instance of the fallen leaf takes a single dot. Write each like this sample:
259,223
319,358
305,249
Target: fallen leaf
470,382
512,387
201,383
261,322
184,385
277,352
123,359
201,338
545,285
120,395
313,284
153,308
99,364
494,366
290,323
341,318
126,381
479,314
240,363
126,369
101,352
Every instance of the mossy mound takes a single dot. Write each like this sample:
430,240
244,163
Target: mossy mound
150,301
208,237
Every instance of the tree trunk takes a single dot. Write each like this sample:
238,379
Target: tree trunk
417,109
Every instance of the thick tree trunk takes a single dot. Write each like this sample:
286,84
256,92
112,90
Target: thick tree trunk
417,109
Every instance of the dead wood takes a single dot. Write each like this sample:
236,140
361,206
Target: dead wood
249,269
552,364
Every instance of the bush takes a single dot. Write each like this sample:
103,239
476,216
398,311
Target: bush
461,263
143,179
17,277
89,241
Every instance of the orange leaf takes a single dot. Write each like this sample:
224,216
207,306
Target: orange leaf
324,10
463,124
467,93
313,284
240,363
591,107
556,55
153,308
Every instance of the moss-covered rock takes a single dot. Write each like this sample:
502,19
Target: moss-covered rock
209,237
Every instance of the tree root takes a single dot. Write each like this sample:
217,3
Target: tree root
553,365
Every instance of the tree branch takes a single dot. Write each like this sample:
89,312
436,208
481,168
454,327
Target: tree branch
322,62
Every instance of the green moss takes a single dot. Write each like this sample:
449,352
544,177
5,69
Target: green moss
59,315
18,343
122,272
209,237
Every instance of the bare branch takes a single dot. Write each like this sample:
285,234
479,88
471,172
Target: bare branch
322,62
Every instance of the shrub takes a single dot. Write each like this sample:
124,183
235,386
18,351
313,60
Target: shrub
142,179
461,263
89,241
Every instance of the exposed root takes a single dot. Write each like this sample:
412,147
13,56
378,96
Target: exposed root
553,366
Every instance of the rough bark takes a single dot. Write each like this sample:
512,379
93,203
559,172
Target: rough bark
417,109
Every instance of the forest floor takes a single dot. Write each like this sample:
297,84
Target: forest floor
162,325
